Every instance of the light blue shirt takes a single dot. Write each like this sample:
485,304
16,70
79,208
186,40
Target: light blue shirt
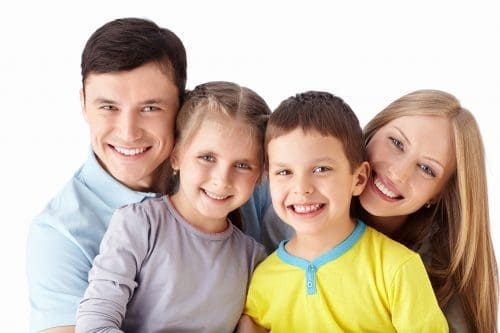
64,239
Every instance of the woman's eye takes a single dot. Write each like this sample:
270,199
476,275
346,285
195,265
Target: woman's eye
428,170
321,169
398,144
207,158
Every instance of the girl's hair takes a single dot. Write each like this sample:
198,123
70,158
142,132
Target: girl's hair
463,261
226,99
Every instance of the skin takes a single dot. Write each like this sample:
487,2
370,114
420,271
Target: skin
216,174
411,157
131,118
311,188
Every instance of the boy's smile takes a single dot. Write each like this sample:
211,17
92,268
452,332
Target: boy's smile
311,182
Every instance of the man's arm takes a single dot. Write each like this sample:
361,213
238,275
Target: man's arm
57,272
62,329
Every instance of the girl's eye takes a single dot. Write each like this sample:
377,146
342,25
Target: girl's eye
321,169
240,165
282,172
207,158
427,170
398,144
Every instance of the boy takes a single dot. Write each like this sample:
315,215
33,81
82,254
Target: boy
335,274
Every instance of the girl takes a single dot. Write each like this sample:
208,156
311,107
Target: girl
428,191
176,263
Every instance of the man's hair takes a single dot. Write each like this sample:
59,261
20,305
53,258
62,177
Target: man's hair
128,43
322,112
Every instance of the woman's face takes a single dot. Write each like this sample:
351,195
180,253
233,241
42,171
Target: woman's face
411,158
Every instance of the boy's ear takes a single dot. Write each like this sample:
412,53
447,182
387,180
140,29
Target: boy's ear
361,175
82,104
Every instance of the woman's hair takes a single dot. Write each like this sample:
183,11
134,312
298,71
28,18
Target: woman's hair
463,261
222,99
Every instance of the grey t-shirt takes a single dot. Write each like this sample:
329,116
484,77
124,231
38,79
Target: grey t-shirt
157,273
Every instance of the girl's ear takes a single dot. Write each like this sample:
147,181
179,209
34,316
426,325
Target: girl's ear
174,158
361,175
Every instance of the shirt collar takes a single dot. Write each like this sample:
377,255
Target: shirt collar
111,191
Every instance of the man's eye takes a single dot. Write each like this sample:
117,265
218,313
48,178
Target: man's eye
149,108
427,170
108,107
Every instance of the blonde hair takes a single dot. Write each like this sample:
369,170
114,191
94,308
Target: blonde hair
463,260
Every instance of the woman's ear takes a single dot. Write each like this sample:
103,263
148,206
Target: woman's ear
174,158
361,175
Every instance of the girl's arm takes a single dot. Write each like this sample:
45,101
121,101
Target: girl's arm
247,325
112,277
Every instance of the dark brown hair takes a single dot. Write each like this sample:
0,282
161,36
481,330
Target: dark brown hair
128,43
322,112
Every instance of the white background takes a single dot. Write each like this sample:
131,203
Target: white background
368,52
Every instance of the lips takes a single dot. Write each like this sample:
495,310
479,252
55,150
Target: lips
385,189
215,196
130,151
306,210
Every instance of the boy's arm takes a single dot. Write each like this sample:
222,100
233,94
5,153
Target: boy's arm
112,277
57,271
247,325
413,303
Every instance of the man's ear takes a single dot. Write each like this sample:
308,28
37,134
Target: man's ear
82,104
361,175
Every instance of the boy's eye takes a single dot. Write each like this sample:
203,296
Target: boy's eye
321,169
427,170
283,172
241,165
207,158
398,144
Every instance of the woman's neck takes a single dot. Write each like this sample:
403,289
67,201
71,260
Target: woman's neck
388,225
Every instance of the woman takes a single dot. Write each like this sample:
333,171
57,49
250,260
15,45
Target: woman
428,191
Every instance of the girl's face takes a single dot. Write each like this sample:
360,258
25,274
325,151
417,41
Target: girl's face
411,157
218,169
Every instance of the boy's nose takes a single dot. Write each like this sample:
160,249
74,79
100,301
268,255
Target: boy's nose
302,186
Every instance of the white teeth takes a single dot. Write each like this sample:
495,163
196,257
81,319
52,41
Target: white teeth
128,151
384,189
215,195
306,208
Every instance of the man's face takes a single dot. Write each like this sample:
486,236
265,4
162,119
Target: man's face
131,117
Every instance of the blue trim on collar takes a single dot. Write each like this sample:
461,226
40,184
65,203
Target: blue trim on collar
311,267
111,191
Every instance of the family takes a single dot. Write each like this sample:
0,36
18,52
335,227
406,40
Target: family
204,211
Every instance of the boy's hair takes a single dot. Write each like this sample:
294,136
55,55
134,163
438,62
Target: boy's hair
127,43
322,112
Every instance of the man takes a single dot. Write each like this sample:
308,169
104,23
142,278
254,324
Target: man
134,77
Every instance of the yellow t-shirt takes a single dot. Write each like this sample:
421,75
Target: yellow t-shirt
368,283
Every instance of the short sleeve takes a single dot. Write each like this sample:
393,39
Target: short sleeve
412,300
57,277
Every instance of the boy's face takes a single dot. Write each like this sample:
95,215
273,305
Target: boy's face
311,181
131,117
